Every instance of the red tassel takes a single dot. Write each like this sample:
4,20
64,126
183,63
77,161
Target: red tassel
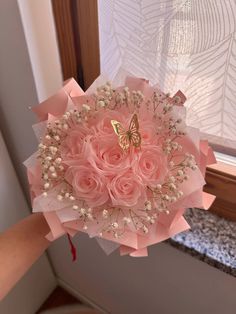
72,248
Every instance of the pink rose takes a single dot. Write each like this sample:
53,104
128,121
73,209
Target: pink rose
148,132
72,146
151,165
126,189
106,156
87,184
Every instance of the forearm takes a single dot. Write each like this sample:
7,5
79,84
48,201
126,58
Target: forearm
20,246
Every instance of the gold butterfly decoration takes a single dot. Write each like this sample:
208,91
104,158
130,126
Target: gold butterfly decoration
130,137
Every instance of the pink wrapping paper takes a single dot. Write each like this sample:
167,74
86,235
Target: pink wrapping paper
62,219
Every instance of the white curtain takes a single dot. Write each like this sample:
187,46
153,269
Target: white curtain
179,44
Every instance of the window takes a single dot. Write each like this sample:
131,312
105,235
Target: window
191,45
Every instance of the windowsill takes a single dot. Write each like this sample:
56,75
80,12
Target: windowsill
222,167
212,239
221,182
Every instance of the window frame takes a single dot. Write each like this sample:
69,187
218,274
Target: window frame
76,23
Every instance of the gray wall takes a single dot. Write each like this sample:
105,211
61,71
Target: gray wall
167,282
17,91
30,292
17,88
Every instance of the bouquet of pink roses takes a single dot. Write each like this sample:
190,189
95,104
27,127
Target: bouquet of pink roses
118,163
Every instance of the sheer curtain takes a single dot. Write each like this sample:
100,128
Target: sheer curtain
178,44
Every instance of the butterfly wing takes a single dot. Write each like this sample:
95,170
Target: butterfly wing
118,128
122,134
135,136
124,141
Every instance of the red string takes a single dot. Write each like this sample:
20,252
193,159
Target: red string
72,248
